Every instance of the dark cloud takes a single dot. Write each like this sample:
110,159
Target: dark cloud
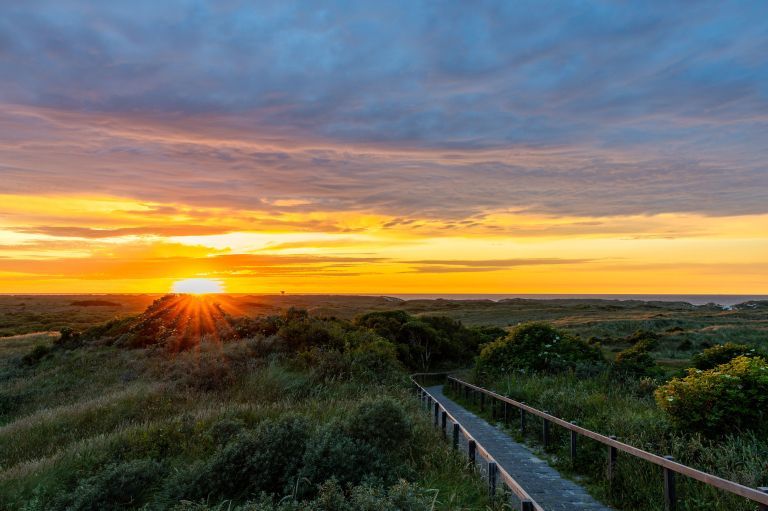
441,109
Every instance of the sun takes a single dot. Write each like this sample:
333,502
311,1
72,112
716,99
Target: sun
198,286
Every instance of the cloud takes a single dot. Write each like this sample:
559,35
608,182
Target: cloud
437,111
484,265
87,232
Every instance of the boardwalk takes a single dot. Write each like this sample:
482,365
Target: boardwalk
545,485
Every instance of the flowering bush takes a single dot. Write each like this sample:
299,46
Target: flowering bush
538,347
729,398
722,353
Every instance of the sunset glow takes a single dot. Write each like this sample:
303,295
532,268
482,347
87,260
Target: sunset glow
349,154
197,286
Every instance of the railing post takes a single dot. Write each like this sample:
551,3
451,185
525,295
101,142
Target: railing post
437,412
522,421
545,433
506,414
445,423
670,492
482,401
472,450
492,473
574,437
526,505
456,429
612,456
763,507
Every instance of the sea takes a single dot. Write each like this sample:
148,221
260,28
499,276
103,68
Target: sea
724,300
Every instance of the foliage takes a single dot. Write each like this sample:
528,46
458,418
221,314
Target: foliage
537,347
382,423
722,353
636,361
402,496
650,340
265,459
375,361
368,444
69,339
117,486
727,399
427,342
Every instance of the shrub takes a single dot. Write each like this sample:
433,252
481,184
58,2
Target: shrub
303,334
69,339
382,423
375,361
648,338
722,353
368,445
118,486
538,347
266,459
636,361
729,398
332,453
325,364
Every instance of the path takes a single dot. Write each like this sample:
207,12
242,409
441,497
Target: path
544,484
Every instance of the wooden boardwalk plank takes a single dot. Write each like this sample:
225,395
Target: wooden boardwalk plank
545,485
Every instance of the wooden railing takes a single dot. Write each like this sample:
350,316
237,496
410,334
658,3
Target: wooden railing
474,448
669,466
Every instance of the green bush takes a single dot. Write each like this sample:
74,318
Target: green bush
382,423
722,353
730,398
646,337
537,347
636,361
332,453
325,364
266,459
368,445
375,361
426,342
119,486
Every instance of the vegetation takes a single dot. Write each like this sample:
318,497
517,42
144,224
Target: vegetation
183,405
730,398
723,353
536,347
277,419
713,419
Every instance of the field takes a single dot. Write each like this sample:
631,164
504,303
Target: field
115,416
679,324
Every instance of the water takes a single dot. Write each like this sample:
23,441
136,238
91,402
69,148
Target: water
725,300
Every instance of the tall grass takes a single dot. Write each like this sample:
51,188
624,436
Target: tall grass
89,409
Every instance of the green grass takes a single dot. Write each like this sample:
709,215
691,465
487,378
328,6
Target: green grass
93,406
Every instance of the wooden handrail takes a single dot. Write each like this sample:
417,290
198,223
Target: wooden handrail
513,485
704,477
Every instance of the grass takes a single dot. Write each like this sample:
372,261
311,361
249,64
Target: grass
628,411
84,409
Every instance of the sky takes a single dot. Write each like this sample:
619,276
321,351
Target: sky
384,147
